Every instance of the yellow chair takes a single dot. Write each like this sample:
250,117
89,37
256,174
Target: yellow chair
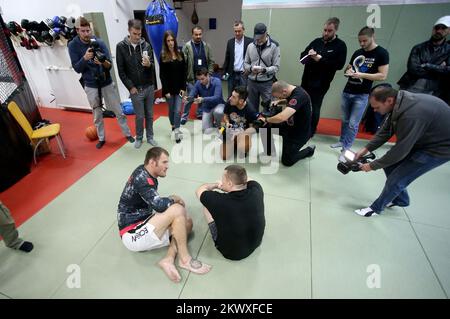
39,135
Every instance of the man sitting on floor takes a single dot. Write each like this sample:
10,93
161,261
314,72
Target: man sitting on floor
238,118
236,215
148,221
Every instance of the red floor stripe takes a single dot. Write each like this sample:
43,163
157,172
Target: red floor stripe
53,175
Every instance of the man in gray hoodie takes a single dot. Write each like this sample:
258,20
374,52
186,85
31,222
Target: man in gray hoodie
262,62
421,124
136,69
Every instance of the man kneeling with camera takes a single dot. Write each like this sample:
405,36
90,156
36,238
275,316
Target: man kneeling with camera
422,125
294,124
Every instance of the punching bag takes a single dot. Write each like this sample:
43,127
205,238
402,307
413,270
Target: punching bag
159,18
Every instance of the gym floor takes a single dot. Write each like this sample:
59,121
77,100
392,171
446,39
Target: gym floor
314,245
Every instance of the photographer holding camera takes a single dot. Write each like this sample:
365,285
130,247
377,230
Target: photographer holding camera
422,125
90,57
294,124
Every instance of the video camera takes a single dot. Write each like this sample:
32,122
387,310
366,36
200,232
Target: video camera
98,53
353,165
270,109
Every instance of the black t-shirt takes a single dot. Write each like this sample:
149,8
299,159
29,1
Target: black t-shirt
298,124
240,119
239,217
366,62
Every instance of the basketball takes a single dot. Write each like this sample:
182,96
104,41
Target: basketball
91,133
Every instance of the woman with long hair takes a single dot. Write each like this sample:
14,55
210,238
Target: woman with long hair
173,80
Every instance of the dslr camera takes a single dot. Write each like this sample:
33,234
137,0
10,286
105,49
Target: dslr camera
98,53
353,165
270,109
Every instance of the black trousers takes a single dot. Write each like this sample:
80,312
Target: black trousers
292,152
316,95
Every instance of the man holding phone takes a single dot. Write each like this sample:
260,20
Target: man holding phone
136,70
207,93
262,62
421,123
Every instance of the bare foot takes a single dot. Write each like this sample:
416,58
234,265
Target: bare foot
169,268
195,266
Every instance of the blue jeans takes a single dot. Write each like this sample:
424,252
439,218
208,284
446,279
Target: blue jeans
353,107
187,106
212,118
401,174
235,80
174,110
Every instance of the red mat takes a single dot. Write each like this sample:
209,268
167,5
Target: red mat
53,174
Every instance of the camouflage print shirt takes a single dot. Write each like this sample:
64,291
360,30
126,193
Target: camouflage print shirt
140,199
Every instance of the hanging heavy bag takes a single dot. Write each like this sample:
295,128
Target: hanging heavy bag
159,18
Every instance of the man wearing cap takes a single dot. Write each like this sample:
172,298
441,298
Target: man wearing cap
262,62
429,64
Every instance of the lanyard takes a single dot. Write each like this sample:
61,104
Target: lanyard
195,48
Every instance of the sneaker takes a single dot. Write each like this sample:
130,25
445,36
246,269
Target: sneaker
366,212
26,246
152,142
100,144
130,139
312,150
183,121
178,136
336,145
138,143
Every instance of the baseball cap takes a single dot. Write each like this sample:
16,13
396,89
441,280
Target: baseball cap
260,30
445,20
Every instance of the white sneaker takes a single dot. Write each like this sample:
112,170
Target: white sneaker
336,145
178,135
366,212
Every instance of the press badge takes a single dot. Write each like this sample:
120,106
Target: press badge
199,62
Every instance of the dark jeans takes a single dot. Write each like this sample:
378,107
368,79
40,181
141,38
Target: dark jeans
235,80
292,152
401,174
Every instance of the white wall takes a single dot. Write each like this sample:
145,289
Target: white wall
116,13
226,12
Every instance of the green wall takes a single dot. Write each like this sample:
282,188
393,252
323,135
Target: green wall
402,26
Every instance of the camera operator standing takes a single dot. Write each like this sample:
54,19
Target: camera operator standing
421,123
294,124
90,57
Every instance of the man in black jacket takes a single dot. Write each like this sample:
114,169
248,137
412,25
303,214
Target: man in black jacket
429,64
322,58
135,64
234,58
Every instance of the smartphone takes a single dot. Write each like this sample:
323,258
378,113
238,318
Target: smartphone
349,155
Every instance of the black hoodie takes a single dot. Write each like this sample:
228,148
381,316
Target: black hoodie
129,64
